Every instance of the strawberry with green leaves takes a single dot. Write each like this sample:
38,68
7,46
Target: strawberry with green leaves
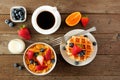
24,33
84,21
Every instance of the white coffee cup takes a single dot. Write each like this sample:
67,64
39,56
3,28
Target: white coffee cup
37,20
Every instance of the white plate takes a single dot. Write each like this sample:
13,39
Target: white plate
71,61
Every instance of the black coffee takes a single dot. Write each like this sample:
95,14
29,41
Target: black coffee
45,20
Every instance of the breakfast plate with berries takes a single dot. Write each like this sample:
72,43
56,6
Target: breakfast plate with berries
79,50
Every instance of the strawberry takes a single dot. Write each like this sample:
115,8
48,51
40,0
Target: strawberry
30,54
48,55
39,67
76,49
84,21
40,59
24,33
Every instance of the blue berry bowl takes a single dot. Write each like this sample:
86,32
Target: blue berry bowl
18,14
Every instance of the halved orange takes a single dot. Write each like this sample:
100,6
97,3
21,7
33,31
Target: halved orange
73,19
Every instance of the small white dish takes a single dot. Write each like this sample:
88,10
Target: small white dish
16,46
40,74
54,12
71,61
18,7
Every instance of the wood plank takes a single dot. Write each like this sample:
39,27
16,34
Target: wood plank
107,43
61,78
102,65
104,24
69,77
65,6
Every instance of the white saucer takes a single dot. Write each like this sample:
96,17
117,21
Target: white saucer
71,61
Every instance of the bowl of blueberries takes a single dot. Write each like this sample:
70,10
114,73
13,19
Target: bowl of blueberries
18,14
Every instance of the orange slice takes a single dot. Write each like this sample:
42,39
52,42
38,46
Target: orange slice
73,19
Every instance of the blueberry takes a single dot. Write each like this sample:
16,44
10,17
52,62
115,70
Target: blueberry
7,21
21,18
94,43
11,24
36,54
16,65
21,9
31,61
14,11
85,36
76,62
64,48
52,60
20,67
42,50
20,13
14,18
36,63
16,15
71,44
82,53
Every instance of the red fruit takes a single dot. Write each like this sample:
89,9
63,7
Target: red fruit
24,33
84,21
76,49
40,59
39,67
30,54
48,55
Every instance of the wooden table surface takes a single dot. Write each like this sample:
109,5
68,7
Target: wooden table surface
104,14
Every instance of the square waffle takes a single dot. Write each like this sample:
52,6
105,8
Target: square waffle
84,43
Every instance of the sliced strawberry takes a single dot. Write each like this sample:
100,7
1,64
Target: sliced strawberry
40,59
76,49
24,33
39,67
30,54
48,55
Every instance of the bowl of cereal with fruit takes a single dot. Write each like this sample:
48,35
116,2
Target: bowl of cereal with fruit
39,58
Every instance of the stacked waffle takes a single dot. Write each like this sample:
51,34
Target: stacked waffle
79,48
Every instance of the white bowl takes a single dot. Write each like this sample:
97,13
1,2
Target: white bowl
56,15
48,70
17,7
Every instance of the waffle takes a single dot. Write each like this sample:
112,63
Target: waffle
84,43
